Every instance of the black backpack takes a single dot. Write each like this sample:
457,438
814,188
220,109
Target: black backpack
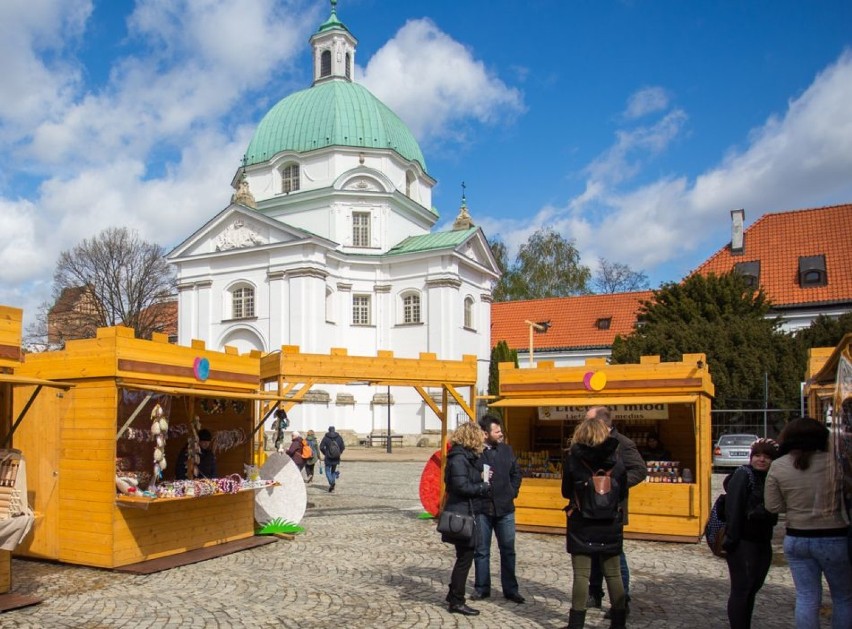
599,496
332,450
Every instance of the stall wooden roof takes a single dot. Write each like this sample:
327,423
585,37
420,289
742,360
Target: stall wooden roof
10,336
826,372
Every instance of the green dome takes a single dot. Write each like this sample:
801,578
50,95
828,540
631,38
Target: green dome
332,113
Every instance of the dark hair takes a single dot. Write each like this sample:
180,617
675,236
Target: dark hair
802,437
205,435
486,420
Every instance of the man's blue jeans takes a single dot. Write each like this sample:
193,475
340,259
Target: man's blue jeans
504,529
331,474
809,558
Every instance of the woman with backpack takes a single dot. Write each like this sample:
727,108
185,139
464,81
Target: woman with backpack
805,482
594,480
295,449
311,461
748,532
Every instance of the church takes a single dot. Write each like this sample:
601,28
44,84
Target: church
328,242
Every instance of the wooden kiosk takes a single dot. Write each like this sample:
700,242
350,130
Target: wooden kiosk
294,373
542,405
822,389
103,427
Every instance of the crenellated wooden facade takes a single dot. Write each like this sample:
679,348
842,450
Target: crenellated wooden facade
681,394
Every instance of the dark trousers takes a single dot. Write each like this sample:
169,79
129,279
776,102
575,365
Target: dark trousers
748,566
458,578
596,578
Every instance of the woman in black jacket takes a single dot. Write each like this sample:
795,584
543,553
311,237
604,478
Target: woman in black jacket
748,532
595,527
465,489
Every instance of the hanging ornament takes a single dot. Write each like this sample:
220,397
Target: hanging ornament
159,428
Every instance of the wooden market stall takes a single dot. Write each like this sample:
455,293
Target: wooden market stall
824,379
15,514
542,405
100,436
293,373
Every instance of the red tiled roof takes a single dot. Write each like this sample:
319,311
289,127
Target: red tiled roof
572,320
779,239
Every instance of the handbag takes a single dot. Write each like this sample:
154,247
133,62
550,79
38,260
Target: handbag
458,528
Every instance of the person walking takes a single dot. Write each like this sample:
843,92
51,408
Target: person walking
636,473
465,490
748,532
802,484
498,513
295,450
310,463
595,528
332,448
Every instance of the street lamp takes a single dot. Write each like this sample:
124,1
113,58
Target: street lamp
538,327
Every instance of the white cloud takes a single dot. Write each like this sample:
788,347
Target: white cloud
789,162
646,101
435,84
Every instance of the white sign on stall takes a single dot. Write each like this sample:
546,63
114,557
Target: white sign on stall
618,412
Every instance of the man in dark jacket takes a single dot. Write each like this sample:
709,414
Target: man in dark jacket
332,447
636,473
498,514
207,460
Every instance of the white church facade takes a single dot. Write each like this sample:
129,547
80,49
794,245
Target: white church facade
328,242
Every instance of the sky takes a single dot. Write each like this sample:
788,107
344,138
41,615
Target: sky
631,127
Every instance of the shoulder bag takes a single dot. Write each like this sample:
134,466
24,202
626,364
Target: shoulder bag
457,528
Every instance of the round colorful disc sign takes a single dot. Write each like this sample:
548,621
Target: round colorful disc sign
594,380
201,368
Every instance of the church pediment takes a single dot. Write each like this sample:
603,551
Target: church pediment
236,228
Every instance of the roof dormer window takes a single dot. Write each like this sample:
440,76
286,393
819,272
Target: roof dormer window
603,323
812,271
750,272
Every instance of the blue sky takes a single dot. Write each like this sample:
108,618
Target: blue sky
631,127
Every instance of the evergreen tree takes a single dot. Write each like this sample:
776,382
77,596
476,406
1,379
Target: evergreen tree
500,353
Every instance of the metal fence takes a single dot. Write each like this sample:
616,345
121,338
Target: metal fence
760,422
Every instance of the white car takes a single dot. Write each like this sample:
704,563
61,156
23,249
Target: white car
733,450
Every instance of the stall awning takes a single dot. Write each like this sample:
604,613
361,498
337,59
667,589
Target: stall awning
595,401
235,395
23,380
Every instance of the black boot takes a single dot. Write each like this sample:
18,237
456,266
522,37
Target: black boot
576,619
619,618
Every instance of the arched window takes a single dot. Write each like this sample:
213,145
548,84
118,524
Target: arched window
290,178
348,66
468,313
242,302
325,63
411,308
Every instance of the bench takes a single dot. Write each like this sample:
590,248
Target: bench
373,440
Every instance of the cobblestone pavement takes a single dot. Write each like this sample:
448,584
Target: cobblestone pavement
366,560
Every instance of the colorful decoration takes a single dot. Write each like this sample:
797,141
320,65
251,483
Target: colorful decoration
430,484
594,380
160,429
201,368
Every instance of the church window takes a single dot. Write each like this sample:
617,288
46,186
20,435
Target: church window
242,302
468,313
360,229
325,63
360,310
348,66
411,308
290,178
409,183
329,305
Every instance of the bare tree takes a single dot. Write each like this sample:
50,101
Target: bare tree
114,278
614,277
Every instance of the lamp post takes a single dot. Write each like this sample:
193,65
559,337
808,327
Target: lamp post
538,327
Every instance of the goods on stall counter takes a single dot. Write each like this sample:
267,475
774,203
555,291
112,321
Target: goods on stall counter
539,465
209,486
159,428
664,472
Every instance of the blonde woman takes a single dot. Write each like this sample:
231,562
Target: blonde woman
465,489
595,525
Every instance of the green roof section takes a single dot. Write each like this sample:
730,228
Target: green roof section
332,21
428,242
331,113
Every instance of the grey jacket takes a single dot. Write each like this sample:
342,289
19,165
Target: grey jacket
801,494
633,461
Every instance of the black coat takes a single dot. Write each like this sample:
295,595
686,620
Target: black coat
745,515
206,465
588,537
324,447
505,481
463,480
